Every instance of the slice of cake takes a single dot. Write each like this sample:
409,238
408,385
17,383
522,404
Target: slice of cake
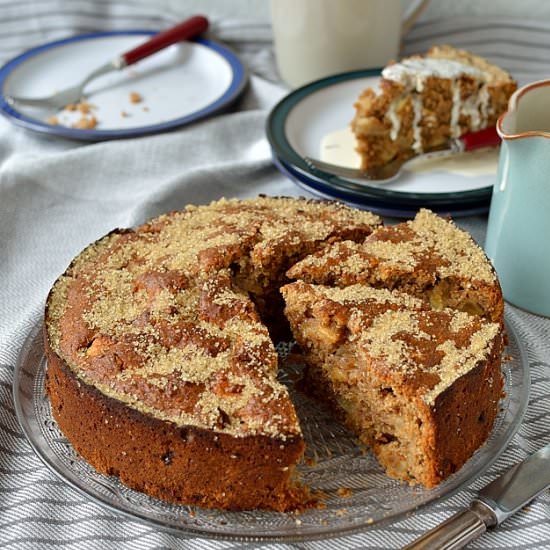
420,387
425,100
428,257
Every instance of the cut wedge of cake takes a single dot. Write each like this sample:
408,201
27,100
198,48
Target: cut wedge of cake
420,387
424,101
428,257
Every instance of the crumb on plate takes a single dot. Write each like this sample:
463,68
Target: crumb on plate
344,492
85,123
84,107
135,97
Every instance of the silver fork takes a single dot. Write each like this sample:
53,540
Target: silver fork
386,173
182,31
390,171
70,95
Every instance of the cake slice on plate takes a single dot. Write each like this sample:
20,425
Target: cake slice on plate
424,101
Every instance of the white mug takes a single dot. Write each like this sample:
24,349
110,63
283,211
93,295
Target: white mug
316,38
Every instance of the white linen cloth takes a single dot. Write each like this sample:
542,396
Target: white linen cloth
56,196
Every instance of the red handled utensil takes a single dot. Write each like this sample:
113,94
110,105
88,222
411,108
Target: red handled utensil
182,31
390,171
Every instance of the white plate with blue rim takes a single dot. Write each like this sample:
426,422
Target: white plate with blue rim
301,124
184,83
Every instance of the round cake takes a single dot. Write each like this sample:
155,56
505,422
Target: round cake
161,363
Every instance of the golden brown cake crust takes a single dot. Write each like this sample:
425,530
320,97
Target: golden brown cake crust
464,415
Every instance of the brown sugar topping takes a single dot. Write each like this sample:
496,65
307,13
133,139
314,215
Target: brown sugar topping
457,361
454,246
153,317
429,243
358,293
402,335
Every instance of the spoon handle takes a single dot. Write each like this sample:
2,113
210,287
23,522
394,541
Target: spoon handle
182,31
482,138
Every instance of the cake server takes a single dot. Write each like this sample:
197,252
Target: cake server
182,31
390,171
494,504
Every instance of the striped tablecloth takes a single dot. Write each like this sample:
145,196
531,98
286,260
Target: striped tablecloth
56,196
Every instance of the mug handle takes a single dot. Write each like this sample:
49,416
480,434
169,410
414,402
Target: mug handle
413,11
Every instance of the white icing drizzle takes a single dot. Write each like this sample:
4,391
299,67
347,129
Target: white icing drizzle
470,107
394,119
475,106
455,110
484,98
412,74
417,134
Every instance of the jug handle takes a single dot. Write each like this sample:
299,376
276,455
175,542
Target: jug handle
413,11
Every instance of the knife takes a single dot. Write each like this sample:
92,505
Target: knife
494,504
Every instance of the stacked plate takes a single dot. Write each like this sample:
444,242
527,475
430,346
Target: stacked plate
301,121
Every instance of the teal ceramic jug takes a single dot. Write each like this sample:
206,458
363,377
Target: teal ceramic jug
518,232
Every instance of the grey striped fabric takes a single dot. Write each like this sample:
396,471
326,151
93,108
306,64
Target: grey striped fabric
57,196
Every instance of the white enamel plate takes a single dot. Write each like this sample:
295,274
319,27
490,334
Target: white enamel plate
181,84
298,127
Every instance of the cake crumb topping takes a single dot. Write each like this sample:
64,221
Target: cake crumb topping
428,244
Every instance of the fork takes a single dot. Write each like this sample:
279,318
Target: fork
182,31
390,171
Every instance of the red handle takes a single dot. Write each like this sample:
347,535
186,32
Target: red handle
182,31
483,138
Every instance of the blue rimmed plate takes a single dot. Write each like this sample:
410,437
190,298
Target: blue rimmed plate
179,85
298,124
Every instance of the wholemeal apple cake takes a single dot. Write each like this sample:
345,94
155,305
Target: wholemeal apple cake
424,101
162,368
